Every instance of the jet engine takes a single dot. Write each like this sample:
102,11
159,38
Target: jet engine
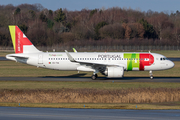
114,72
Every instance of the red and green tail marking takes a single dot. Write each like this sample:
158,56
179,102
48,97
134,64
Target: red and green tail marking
18,39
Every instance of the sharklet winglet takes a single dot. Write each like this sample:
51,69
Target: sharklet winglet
69,56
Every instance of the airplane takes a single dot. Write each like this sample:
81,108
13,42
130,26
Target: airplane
110,64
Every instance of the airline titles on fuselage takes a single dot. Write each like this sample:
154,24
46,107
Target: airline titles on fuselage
109,56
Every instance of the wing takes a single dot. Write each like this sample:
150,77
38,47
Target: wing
93,65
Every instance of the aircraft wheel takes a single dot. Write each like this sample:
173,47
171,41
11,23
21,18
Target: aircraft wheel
93,77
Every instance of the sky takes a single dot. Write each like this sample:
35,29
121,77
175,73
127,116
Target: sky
72,5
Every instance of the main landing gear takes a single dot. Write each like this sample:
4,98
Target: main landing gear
151,74
94,76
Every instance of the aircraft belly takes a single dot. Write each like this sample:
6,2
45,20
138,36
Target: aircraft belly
153,67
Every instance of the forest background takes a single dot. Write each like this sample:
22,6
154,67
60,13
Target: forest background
97,27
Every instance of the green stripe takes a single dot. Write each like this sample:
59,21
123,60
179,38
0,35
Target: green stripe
131,63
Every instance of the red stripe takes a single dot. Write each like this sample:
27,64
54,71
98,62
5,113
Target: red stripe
143,62
20,40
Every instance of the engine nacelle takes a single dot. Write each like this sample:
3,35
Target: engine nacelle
114,72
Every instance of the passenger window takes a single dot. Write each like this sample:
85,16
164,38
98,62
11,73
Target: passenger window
160,58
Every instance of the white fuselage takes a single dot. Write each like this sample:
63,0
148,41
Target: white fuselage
60,60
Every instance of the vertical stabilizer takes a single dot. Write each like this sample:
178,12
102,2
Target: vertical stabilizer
20,42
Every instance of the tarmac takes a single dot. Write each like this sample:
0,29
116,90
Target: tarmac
88,79
23,113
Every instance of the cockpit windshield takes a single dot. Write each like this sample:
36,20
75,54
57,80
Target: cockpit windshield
163,59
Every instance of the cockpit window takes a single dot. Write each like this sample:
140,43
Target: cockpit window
163,59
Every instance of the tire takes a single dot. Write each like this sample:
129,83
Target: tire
93,77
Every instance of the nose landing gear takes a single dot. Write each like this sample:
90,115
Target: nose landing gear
151,74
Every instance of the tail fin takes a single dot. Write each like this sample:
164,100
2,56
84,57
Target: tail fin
20,42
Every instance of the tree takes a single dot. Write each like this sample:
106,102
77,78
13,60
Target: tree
128,31
43,17
149,30
115,31
23,27
17,11
32,13
51,12
50,23
92,12
98,26
60,17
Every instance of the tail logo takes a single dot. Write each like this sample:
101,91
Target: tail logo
19,39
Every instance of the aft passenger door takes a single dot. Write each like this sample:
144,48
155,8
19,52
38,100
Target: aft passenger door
40,59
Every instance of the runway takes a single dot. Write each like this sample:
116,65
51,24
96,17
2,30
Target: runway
20,113
88,79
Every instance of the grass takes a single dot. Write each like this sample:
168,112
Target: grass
80,85
4,53
13,69
69,95
169,105
169,53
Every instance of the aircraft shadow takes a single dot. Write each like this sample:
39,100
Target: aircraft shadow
69,76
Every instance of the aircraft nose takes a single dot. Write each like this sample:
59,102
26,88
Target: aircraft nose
171,64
